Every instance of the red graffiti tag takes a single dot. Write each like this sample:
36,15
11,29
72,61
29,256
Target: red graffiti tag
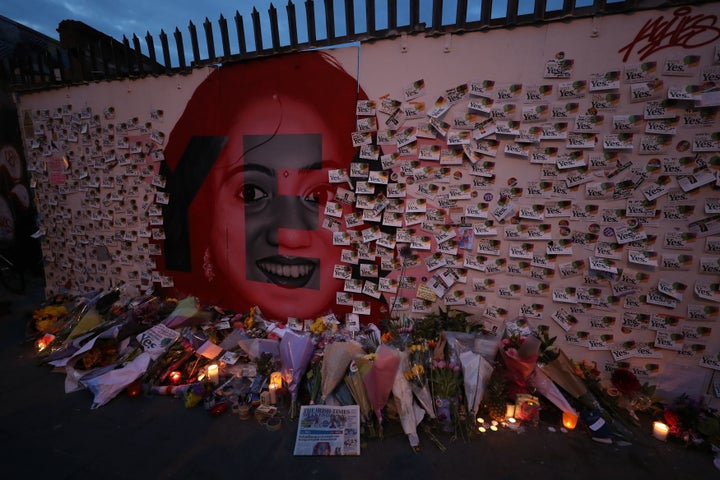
681,30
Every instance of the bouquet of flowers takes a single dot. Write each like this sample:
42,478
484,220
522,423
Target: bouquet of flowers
681,416
336,359
419,361
296,350
629,393
379,380
49,319
519,353
445,384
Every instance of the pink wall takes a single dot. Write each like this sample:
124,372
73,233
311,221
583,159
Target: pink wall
552,139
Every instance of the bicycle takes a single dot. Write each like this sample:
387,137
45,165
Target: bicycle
10,276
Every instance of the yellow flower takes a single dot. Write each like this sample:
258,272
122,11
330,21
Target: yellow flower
318,326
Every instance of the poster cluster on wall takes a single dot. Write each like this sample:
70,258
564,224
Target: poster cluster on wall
589,203
95,178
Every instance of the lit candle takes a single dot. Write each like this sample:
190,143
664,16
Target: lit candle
213,373
133,390
569,420
273,394
660,431
276,379
175,377
510,410
44,341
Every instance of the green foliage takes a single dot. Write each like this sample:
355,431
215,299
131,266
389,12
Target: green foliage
548,350
453,320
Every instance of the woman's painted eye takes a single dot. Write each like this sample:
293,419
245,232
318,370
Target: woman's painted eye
251,193
319,194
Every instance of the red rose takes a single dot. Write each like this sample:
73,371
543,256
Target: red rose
625,381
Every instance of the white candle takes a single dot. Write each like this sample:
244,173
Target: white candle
509,410
273,394
660,431
213,374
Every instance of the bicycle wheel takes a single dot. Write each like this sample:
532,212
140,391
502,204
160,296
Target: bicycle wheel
12,279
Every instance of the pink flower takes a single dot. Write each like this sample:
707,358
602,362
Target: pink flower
512,352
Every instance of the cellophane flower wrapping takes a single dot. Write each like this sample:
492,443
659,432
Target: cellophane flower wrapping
354,381
87,322
416,371
380,378
256,347
185,309
562,372
475,368
409,412
336,359
547,388
105,383
74,366
106,386
296,350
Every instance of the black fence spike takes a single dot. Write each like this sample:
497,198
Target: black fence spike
240,28
257,30
349,18
166,50
180,48
151,52
370,16
224,36
138,59
274,29
330,19
392,17
292,23
310,18
194,44
461,14
209,39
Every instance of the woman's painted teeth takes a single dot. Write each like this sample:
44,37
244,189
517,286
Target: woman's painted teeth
290,271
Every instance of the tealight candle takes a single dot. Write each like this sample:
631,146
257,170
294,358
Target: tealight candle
276,379
44,341
213,372
569,420
660,431
510,410
175,377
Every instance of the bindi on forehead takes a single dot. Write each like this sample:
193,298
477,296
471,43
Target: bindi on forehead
293,158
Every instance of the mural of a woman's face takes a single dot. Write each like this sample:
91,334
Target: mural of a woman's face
267,238
248,178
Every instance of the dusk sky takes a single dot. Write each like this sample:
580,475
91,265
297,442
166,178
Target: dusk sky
128,17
